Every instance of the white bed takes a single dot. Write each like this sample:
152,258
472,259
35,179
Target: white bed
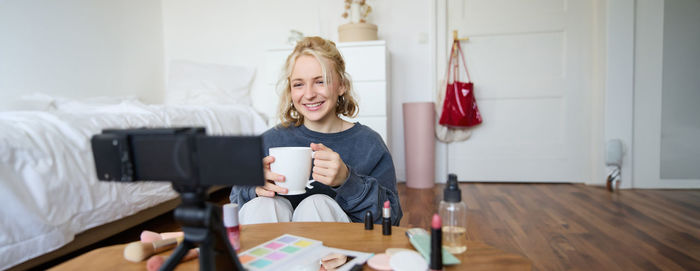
48,189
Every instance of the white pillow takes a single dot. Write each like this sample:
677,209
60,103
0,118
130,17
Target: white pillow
197,83
32,102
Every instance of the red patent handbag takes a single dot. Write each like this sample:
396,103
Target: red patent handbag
459,108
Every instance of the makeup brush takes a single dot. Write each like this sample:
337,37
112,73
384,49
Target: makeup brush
138,251
155,262
149,236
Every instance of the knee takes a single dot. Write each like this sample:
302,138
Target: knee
265,210
320,208
316,199
259,202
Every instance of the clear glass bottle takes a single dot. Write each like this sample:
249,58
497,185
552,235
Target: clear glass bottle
454,217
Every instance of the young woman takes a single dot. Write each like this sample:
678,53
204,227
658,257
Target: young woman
352,167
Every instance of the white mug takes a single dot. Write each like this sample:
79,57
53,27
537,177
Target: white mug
295,164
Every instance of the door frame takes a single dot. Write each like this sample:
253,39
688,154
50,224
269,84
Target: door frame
619,83
437,45
648,90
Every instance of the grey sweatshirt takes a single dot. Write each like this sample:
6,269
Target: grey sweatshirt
371,181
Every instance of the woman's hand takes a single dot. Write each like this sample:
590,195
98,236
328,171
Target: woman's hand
329,168
269,189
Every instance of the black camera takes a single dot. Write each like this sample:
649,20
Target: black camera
192,161
183,156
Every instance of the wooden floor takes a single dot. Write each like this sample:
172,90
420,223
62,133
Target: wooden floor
556,226
575,227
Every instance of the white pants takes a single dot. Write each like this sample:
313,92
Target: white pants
315,208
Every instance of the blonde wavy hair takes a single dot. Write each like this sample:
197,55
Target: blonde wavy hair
321,49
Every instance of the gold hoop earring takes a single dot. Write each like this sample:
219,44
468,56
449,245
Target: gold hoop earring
293,111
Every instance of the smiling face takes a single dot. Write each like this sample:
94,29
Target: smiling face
312,96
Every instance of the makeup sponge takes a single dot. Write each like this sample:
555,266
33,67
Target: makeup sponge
380,262
408,260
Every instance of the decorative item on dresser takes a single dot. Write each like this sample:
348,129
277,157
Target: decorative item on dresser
358,29
367,64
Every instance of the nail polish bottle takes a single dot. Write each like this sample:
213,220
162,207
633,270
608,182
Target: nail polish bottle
233,231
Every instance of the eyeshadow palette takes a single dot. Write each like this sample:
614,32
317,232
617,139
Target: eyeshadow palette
291,252
281,249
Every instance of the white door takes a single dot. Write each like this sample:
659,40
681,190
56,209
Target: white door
667,94
531,63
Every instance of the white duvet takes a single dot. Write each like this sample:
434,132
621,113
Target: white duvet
48,189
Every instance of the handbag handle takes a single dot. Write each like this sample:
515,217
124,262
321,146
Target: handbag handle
456,48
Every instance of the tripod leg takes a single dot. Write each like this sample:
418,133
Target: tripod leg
177,255
207,255
215,251
203,225
221,241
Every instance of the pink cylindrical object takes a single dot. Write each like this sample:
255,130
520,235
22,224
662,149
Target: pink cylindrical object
419,142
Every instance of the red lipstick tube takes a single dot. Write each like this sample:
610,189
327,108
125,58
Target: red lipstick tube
436,244
386,219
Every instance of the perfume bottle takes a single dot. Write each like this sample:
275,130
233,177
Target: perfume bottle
454,217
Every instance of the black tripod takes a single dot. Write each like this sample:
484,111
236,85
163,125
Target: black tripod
201,221
192,161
